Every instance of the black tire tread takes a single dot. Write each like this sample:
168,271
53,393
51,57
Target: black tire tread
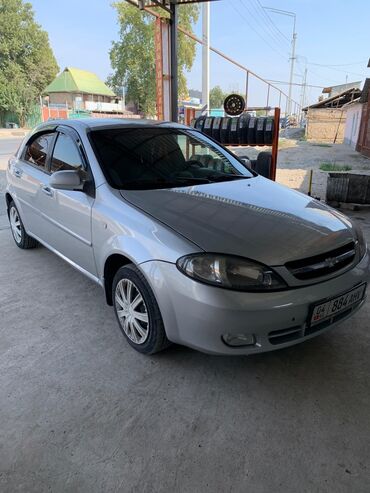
263,164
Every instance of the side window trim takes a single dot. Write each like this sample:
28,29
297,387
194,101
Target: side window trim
29,142
69,132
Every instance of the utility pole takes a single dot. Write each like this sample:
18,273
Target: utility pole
205,55
174,21
292,60
303,93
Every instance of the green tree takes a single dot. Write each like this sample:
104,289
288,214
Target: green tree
133,56
216,97
27,63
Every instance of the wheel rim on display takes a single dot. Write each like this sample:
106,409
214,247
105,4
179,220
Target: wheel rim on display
132,311
234,104
15,224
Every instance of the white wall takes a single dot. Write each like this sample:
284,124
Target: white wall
99,106
352,127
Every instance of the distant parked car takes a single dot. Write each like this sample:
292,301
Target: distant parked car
189,244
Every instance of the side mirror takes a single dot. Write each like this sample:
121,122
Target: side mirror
246,162
66,180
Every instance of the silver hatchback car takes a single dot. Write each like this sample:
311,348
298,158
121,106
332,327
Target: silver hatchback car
189,244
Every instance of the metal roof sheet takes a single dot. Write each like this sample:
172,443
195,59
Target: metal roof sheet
77,80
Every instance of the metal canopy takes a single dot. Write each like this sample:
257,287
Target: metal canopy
142,4
170,6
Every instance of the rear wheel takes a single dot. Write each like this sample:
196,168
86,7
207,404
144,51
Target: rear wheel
137,311
21,238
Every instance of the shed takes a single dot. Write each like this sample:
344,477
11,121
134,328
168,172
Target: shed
75,87
353,120
363,143
326,119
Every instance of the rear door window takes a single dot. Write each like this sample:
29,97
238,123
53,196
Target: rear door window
37,151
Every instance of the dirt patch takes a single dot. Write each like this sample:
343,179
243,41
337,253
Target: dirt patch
297,157
308,155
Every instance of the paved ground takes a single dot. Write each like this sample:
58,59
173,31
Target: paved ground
80,411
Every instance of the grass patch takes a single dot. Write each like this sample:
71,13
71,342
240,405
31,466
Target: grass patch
335,167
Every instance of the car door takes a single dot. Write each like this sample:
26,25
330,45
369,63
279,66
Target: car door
66,214
27,174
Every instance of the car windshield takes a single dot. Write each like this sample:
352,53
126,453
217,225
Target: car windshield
150,158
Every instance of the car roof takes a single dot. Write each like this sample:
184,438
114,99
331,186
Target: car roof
108,123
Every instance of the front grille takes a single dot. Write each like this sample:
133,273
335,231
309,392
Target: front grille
323,264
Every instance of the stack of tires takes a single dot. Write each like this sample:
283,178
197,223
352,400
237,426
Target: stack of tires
241,130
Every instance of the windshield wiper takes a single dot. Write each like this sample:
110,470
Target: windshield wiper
226,177
161,183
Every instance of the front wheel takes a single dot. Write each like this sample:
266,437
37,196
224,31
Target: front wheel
137,311
21,238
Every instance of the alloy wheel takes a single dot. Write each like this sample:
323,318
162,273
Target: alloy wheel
15,224
132,311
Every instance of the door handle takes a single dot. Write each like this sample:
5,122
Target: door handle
18,172
47,191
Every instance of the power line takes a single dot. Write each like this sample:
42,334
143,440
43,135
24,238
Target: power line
342,64
272,31
258,23
294,83
272,22
258,34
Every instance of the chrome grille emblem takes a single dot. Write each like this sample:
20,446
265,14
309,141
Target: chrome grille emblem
331,262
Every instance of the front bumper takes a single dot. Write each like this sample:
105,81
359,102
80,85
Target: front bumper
198,315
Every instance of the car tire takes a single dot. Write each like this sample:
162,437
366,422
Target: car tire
234,132
225,130
269,131
207,127
263,164
251,132
216,128
137,311
260,130
199,124
243,128
253,164
21,238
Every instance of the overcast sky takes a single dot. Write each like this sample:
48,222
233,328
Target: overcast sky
333,40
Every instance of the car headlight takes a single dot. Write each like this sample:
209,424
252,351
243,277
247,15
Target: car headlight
230,272
361,242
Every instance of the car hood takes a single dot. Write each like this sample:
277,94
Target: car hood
254,218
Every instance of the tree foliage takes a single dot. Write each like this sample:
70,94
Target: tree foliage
27,63
133,56
216,97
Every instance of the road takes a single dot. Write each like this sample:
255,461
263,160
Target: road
8,146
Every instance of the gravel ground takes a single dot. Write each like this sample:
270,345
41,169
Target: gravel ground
297,157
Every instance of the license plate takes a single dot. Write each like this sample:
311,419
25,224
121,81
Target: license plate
337,305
